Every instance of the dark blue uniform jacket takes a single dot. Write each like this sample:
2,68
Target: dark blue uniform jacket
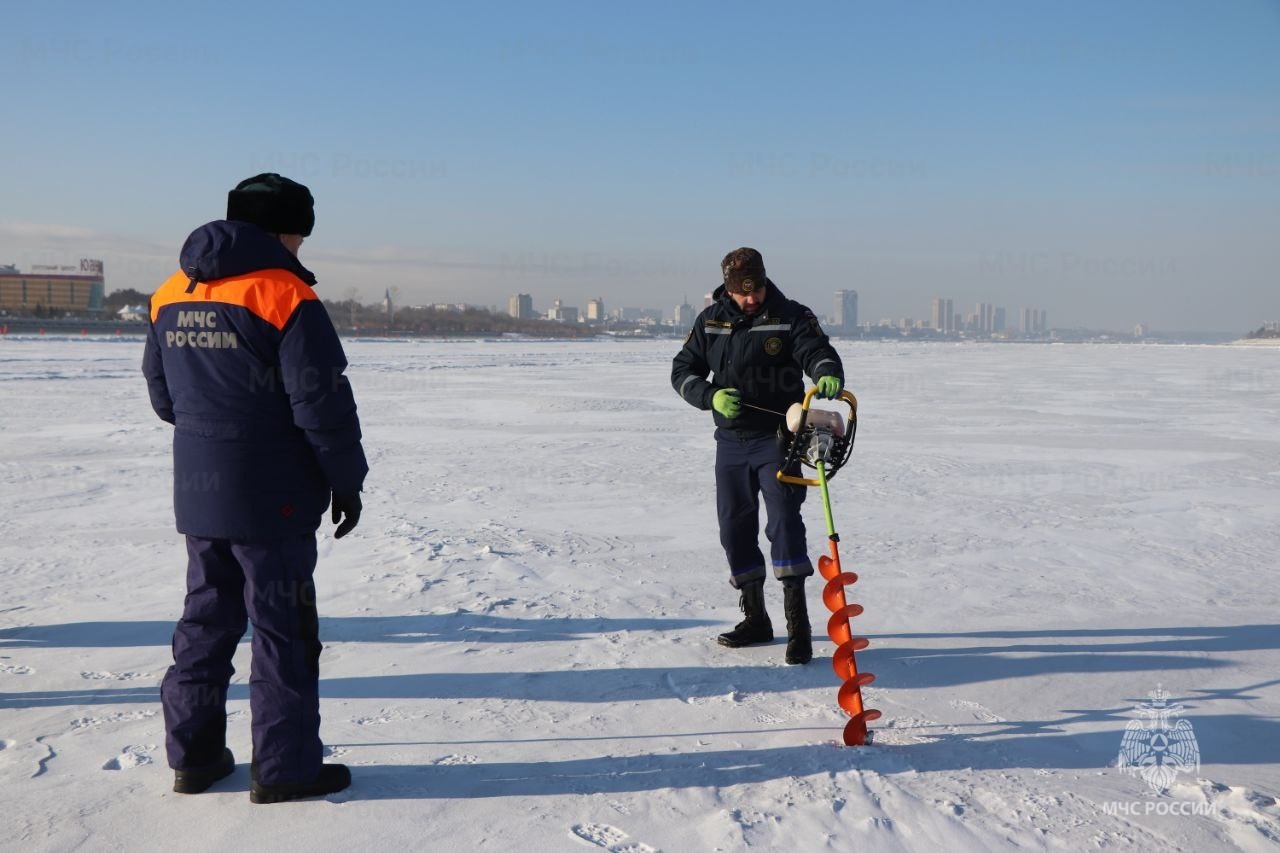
242,359
764,356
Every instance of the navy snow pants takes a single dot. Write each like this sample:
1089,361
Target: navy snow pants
746,470
228,584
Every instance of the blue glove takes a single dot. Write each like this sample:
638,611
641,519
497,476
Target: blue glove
728,402
829,387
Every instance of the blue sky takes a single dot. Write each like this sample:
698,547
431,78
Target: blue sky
1109,162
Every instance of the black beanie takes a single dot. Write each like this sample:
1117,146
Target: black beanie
743,270
276,205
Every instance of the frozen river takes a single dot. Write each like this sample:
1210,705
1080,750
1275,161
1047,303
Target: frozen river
520,635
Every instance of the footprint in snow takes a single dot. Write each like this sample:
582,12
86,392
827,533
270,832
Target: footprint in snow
130,757
610,838
979,711
114,676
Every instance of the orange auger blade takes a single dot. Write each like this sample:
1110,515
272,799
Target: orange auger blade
844,661
833,592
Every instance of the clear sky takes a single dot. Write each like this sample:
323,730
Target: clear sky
1110,162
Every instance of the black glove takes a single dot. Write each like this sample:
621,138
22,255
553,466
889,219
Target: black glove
349,506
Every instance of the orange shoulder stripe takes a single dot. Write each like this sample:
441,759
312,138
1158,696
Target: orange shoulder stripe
272,295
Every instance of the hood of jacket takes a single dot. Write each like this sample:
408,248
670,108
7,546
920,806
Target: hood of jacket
222,249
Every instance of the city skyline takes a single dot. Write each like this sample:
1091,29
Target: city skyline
1111,164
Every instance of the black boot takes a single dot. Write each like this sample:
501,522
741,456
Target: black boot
197,780
331,779
799,635
756,628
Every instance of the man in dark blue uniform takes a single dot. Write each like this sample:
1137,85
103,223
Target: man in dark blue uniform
757,345
243,360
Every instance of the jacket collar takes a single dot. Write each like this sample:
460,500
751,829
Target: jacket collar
222,249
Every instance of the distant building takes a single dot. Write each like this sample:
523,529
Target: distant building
53,287
134,314
1140,330
1033,321
631,314
640,316
595,310
562,313
684,315
707,300
845,318
984,315
387,307
943,317
520,306
998,323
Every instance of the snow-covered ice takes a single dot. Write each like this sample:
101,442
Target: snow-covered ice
519,637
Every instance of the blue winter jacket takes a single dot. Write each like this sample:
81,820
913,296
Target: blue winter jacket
242,359
764,356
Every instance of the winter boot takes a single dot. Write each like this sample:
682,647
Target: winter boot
799,636
197,780
756,628
331,779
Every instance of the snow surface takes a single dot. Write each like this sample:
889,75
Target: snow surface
519,637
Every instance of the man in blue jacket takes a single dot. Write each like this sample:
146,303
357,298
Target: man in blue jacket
757,344
243,360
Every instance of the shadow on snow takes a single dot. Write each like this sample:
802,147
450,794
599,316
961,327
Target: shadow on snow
461,626
575,685
1060,652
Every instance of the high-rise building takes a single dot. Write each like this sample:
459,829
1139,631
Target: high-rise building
943,317
998,324
520,306
1034,321
684,315
595,310
845,318
984,318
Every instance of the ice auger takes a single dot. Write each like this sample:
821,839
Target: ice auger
822,440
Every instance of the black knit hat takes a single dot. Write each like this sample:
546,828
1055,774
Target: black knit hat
276,205
743,270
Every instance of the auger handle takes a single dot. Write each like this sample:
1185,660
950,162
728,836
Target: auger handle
845,397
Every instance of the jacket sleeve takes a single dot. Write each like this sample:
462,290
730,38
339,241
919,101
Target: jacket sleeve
311,366
153,370
813,349
689,369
